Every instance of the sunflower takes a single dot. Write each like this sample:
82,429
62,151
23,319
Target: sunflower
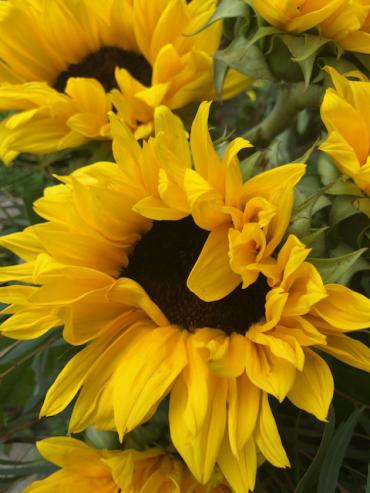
167,265
345,115
90,470
72,59
347,22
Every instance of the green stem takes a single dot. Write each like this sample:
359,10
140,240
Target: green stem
292,99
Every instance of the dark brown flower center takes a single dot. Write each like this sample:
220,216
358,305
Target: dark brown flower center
161,263
102,64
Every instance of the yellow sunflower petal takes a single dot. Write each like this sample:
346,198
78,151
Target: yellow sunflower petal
200,452
334,309
313,387
314,18
267,436
241,472
348,350
356,41
71,453
209,167
174,134
25,244
269,372
145,375
244,405
227,357
211,277
73,375
128,292
17,294
194,377
30,323
206,204
94,404
352,127
154,208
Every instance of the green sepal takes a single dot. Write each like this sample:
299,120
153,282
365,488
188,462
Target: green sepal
226,9
344,188
102,439
262,32
363,205
248,60
248,166
304,50
359,265
333,269
316,240
343,206
220,70
307,154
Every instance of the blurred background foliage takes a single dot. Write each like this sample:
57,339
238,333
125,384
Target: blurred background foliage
330,215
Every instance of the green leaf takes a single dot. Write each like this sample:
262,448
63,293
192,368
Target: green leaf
327,170
307,154
17,387
226,10
246,60
303,120
332,269
342,207
344,188
19,349
363,205
27,470
102,439
262,32
336,183
359,265
220,69
368,480
304,49
313,236
320,203
309,479
248,165
305,208
307,193
335,454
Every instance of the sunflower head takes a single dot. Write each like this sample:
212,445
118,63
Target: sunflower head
86,469
76,59
177,275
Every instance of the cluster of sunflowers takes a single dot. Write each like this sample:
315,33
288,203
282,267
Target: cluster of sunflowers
184,271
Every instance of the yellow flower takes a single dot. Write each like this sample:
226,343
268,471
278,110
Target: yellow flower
166,266
88,470
71,60
347,22
345,114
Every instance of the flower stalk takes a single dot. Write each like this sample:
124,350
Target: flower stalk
292,99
